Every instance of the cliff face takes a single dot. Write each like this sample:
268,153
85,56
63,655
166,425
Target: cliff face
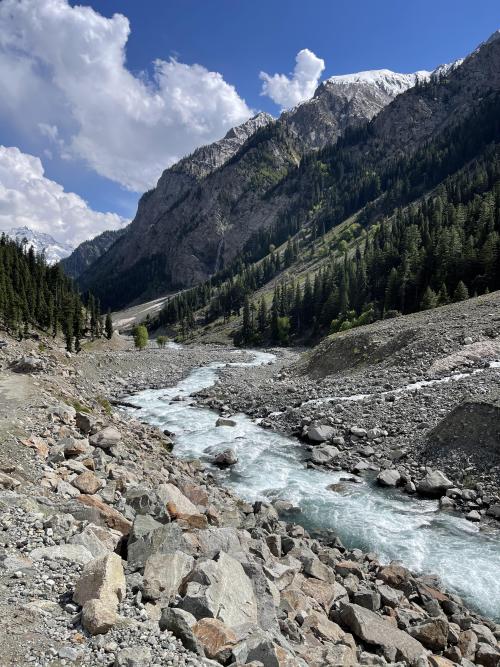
89,252
205,208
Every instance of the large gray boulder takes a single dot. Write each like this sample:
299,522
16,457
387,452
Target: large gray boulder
164,573
149,537
320,433
374,630
324,454
181,623
107,438
434,484
389,478
221,589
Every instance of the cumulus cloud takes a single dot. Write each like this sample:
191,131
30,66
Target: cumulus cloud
63,75
290,91
28,198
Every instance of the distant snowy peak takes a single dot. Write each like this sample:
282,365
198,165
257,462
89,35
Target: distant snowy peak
54,250
444,70
391,83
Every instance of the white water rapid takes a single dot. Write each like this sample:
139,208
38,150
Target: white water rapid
363,515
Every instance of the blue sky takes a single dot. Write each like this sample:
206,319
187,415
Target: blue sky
104,129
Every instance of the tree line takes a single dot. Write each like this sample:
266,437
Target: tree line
36,295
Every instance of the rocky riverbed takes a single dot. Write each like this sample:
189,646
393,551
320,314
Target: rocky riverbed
114,552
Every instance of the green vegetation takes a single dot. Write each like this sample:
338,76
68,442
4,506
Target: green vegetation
141,337
108,326
33,294
161,341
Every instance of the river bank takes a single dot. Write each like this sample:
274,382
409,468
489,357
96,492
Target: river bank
289,600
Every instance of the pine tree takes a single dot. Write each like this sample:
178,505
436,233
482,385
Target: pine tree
108,326
461,292
262,316
429,299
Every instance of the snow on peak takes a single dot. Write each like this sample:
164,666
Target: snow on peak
54,250
391,83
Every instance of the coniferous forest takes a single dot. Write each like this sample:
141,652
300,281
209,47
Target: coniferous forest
427,233
35,295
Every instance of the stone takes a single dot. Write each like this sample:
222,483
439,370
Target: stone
106,439
66,413
390,477
390,597
467,643
27,364
164,574
72,552
434,484
396,576
433,634
281,575
138,656
225,459
87,482
315,568
320,433
180,623
85,422
473,515
109,515
323,592
221,589
97,617
367,598
178,505
102,578
73,447
487,655
149,537
215,638
322,627
7,482
324,454
439,661
223,421
374,630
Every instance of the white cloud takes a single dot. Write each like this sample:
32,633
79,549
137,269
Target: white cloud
288,92
28,198
63,75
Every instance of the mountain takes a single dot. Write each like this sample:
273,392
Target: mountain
54,250
88,252
205,208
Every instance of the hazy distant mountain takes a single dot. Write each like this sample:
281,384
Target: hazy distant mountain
54,250
88,252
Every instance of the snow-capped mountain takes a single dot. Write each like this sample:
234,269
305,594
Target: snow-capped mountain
54,250
391,83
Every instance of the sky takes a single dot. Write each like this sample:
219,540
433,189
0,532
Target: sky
98,97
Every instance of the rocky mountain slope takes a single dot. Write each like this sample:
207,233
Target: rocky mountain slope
40,242
88,252
204,209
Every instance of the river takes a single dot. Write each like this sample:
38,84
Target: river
363,515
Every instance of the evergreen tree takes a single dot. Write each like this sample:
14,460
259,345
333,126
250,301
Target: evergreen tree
429,299
461,292
108,326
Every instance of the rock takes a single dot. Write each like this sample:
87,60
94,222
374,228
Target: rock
487,655
223,421
99,541
473,515
109,515
324,454
216,638
66,413
73,447
85,422
358,432
323,592
106,439
320,433
72,552
180,623
439,661
27,364
87,482
225,459
178,505
494,511
434,484
396,576
7,482
315,568
133,657
149,537
389,477
391,597
433,634
97,617
367,598
446,503
164,573
373,629
229,595
102,578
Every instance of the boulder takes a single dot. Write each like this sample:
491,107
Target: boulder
27,364
150,537
66,413
374,630
73,447
324,593
138,656
225,459
180,623
97,617
87,482
102,578
178,505
98,540
324,454
109,515
72,552
85,422
106,439
223,421
320,433
216,638
433,634
487,655
389,477
221,589
164,574
434,484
